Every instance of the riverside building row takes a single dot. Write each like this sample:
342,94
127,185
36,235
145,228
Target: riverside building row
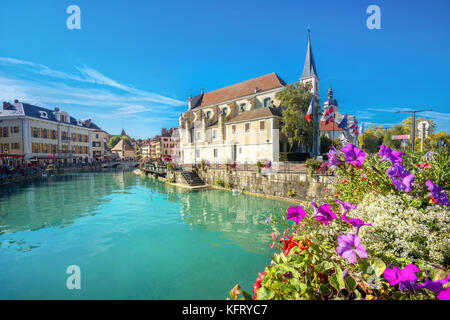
30,133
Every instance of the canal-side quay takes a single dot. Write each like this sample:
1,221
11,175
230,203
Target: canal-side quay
38,173
288,186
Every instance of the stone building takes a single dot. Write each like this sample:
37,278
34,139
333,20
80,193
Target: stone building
240,122
123,150
100,138
30,133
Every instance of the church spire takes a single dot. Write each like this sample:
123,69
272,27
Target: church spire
309,70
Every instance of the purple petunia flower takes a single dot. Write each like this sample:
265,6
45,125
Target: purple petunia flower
437,193
401,178
349,245
333,159
324,214
296,214
393,156
354,155
346,206
435,286
444,294
268,219
356,223
397,275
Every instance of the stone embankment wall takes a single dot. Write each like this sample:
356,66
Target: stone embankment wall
297,186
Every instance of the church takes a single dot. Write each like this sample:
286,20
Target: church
242,122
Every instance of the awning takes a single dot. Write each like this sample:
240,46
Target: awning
11,156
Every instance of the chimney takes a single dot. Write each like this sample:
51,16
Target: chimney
56,109
16,101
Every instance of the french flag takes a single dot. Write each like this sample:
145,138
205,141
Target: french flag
329,115
310,110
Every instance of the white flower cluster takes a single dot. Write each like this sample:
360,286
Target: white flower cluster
405,231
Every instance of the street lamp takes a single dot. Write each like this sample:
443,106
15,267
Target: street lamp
413,125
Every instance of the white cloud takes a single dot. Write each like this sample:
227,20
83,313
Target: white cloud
49,91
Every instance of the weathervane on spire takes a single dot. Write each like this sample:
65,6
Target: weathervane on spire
309,31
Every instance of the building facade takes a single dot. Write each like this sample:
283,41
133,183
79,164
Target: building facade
146,150
235,123
124,151
331,129
34,134
100,138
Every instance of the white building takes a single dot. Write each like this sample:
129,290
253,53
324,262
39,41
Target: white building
241,122
31,133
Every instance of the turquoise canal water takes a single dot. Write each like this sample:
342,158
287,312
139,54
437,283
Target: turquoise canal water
132,237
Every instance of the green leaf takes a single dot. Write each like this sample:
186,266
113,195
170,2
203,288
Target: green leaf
246,295
265,293
350,283
298,285
337,279
377,265
437,274
324,290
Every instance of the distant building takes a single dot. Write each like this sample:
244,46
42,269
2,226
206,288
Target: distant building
166,145
123,150
146,150
30,133
100,138
331,129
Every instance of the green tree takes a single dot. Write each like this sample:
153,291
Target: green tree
395,130
115,140
337,143
407,123
430,143
325,144
371,140
296,98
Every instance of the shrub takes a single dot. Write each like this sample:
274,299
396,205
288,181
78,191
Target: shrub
220,182
312,165
405,231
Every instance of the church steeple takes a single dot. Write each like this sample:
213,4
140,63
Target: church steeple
309,70
309,74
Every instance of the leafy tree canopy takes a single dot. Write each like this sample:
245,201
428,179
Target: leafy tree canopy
296,98
115,140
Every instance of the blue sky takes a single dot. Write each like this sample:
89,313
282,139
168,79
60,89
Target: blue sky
134,63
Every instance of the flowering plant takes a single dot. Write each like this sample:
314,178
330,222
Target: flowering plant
330,250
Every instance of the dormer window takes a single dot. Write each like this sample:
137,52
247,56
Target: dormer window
243,107
80,122
267,102
43,114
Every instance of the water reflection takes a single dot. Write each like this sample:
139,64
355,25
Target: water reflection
240,218
57,201
60,200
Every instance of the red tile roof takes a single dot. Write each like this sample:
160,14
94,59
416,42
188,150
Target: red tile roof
242,89
332,126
